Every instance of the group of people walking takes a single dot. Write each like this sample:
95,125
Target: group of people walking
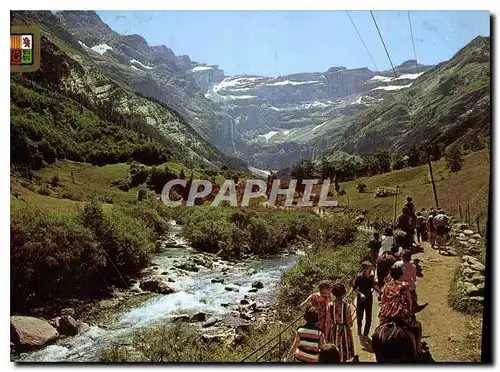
432,226
327,335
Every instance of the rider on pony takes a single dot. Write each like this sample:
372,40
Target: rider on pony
397,306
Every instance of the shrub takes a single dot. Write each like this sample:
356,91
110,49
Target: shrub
52,256
333,231
361,187
173,343
55,181
326,264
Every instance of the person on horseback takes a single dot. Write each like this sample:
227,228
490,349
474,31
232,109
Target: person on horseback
308,341
397,305
440,222
405,224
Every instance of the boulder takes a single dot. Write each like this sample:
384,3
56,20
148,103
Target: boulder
155,285
170,280
472,241
235,313
468,272
468,232
462,236
238,339
188,267
478,266
69,311
180,318
477,279
231,289
199,317
253,290
245,316
470,289
243,327
217,280
28,332
252,306
244,302
210,322
257,284
67,325
225,305
476,236
164,273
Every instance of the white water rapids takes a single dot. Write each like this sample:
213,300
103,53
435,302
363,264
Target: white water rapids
195,293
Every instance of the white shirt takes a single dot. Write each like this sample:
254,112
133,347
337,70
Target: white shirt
386,244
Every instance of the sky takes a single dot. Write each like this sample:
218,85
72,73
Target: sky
274,43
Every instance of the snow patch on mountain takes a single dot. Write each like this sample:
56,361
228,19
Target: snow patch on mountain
101,48
290,82
259,172
268,135
140,63
202,68
393,87
388,79
83,44
317,127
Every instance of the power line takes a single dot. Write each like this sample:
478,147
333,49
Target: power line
360,38
383,43
413,42
390,60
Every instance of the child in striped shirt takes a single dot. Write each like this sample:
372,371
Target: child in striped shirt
308,341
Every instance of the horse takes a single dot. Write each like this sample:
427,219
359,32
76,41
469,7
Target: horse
394,342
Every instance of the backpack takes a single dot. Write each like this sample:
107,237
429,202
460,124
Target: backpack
440,220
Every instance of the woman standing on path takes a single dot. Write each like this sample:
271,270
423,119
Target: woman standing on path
342,316
321,301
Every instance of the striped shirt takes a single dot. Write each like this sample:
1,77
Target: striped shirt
308,347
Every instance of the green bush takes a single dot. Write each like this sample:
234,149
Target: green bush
52,256
173,343
326,264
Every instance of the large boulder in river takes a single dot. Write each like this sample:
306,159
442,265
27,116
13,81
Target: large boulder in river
67,325
211,322
258,284
155,285
199,317
28,333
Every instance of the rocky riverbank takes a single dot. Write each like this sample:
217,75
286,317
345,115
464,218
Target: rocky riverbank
224,300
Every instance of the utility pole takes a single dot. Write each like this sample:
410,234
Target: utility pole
432,180
395,206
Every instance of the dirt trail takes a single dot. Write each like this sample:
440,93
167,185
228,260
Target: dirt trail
444,329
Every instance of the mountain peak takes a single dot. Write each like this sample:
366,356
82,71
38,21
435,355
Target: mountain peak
83,19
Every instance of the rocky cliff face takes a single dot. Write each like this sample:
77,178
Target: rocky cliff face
272,121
